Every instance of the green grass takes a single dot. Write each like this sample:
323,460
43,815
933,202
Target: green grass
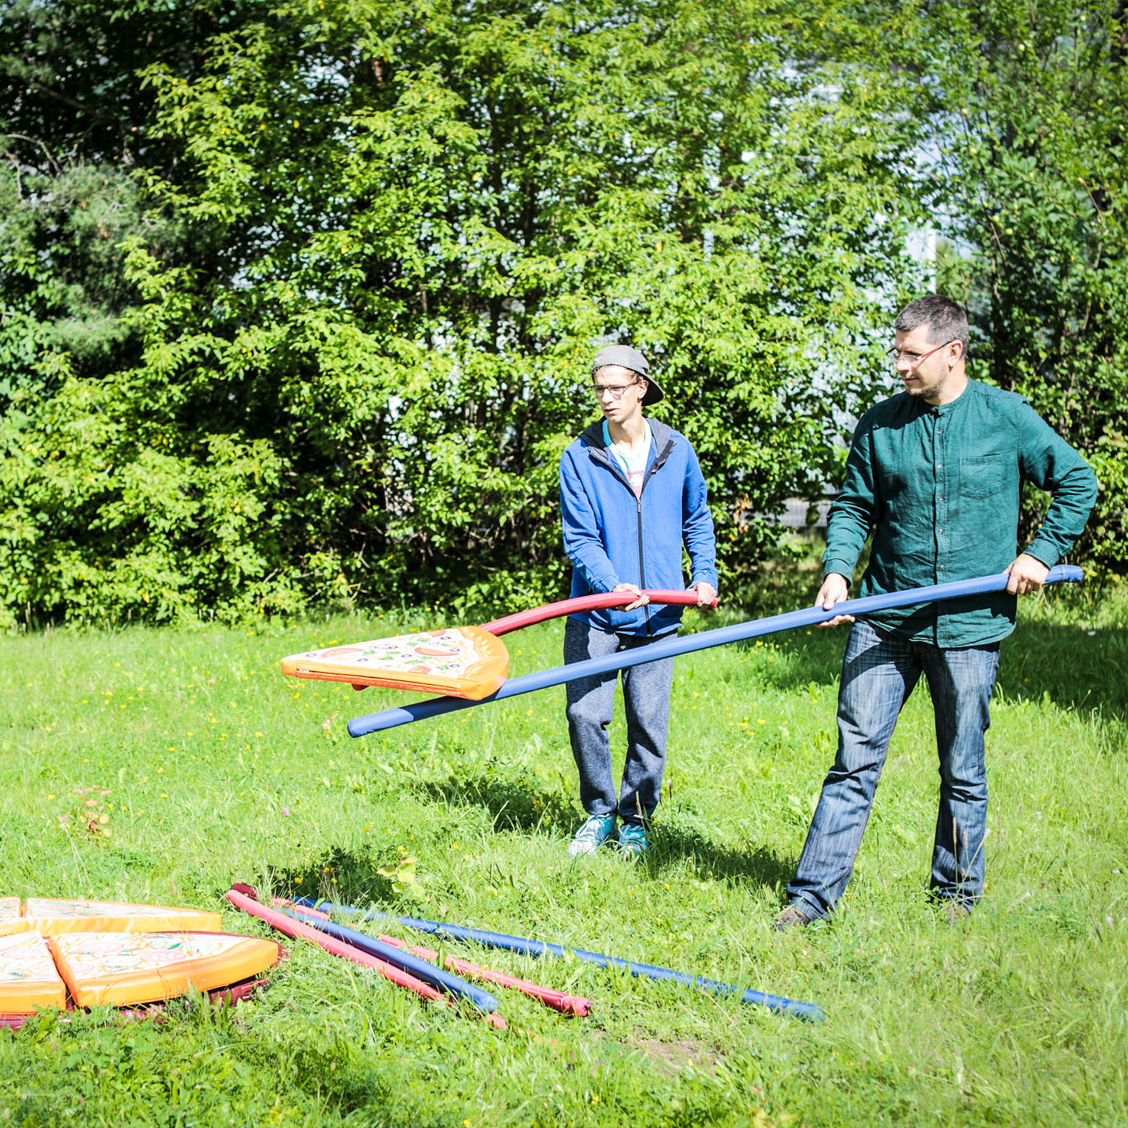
217,769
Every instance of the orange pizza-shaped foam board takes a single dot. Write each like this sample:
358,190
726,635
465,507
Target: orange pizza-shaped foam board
53,916
28,977
123,968
456,662
11,916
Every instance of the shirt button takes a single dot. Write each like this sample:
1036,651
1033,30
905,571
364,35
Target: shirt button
939,530
939,465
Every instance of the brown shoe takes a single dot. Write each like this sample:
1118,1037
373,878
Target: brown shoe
956,912
791,917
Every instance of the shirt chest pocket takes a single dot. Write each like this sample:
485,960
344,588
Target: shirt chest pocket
982,475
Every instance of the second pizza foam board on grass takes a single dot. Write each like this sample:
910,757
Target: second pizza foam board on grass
122,968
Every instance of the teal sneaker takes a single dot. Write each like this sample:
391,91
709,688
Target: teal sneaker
632,839
594,832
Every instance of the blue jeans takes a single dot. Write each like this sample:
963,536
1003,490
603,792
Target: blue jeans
646,695
879,671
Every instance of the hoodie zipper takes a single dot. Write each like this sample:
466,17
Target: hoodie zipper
641,561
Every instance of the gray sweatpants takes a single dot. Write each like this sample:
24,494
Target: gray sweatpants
646,694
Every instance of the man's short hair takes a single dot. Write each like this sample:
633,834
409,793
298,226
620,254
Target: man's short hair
946,319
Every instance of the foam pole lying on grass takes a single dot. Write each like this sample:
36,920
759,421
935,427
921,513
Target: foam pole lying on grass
405,961
558,1000
810,1011
242,897
687,644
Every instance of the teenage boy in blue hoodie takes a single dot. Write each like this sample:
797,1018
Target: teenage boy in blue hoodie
631,493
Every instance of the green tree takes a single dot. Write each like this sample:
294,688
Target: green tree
400,231
75,118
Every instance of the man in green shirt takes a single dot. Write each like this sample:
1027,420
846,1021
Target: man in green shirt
935,473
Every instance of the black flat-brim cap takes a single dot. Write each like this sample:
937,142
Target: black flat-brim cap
626,357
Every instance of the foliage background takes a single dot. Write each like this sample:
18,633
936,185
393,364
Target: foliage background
297,299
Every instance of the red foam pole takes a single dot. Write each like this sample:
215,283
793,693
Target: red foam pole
598,601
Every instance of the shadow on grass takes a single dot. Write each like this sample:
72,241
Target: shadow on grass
1070,666
340,876
1074,667
515,806
760,865
514,803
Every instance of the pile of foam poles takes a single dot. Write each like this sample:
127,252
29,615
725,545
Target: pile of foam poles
687,644
429,983
388,957
809,1011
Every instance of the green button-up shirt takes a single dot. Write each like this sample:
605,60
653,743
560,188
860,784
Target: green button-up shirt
939,488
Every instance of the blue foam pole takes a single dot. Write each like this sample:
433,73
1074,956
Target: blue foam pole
809,1011
687,644
405,961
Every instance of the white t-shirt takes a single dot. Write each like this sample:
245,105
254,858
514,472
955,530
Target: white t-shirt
632,463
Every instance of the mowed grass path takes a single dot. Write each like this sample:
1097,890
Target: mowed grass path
157,765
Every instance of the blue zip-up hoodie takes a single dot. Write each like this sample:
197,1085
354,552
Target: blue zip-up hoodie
613,537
